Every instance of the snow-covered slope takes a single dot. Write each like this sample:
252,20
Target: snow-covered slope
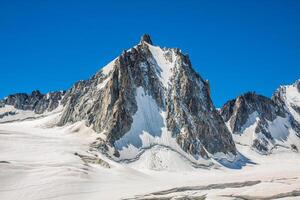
38,162
9,113
266,125
289,97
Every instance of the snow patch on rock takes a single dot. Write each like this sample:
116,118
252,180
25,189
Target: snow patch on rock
164,66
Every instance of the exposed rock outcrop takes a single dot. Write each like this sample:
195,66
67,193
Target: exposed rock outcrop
37,102
237,111
260,122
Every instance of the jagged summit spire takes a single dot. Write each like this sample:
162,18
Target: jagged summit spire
146,38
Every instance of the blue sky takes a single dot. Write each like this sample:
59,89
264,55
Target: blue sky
238,46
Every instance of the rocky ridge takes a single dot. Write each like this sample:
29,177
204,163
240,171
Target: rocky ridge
36,101
271,122
152,96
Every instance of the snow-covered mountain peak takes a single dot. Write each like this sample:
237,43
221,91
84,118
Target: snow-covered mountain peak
149,96
160,62
143,85
263,123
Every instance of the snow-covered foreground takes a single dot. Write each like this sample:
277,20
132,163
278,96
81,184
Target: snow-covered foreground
38,162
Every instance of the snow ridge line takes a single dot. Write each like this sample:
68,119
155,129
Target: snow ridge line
144,149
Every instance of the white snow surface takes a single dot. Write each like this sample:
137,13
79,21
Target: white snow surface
280,129
101,85
164,65
162,158
149,129
109,67
248,135
38,161
293,98
18,114
148,119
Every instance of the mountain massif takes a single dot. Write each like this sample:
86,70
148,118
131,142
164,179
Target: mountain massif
150,98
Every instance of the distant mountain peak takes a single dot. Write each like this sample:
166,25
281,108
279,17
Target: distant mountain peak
265,124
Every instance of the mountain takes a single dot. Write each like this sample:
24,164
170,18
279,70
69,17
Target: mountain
150,101
265,124
22,106
144,126
37,102
148,98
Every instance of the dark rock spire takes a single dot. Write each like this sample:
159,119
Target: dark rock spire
146,38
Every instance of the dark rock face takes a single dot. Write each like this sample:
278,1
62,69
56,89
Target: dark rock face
24,101
9,113
146,38
261,145
192,118
107,101
237,114
239,110
251,108
35,101
2,104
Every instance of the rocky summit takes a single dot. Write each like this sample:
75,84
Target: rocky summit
146,95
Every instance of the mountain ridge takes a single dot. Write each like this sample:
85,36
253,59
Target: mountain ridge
151,96
270,120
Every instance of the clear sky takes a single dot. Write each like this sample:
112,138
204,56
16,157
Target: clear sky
238,46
